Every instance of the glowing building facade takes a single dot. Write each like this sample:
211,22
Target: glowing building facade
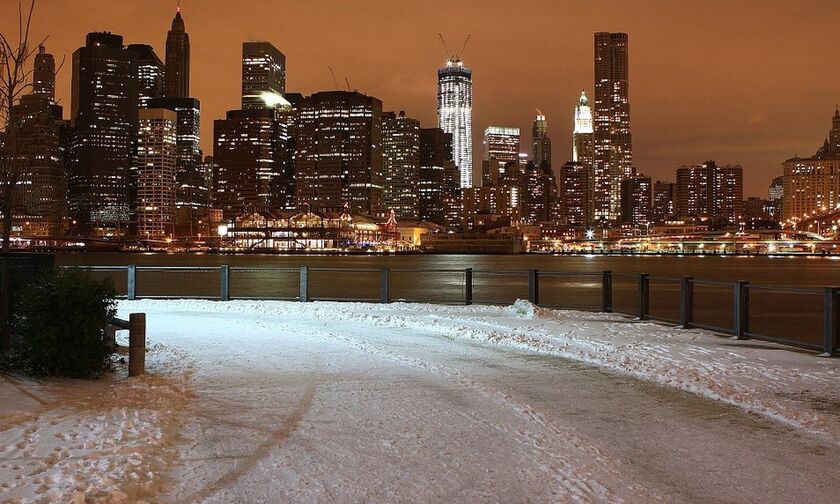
104,115
455,114
157,155
812,184
613,145
43,75
338,152
263,76
150,74
400,164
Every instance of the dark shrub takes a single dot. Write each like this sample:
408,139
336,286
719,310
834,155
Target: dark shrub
59,322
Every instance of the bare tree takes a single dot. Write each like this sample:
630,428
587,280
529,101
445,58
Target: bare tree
15,73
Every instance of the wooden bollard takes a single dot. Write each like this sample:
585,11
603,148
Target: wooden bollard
136,344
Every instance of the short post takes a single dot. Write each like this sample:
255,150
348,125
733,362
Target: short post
606,292
224,276
831,320
643,309
686,301
304,284
384,287
131,283
534,286
136,344
742,309
468,286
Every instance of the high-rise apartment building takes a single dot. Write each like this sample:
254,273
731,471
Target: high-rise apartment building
104,115
263,76
540,143
636,201
438,182
812,184
338,152
613,145
177,59
400,164
712,192
150,74
454,100
539,192
157,155
501,146
250,153
193,191
575,206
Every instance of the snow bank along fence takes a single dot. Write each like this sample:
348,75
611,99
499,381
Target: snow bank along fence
136,325
805,317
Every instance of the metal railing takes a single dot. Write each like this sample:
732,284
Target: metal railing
296,284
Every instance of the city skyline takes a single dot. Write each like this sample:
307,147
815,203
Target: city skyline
712,103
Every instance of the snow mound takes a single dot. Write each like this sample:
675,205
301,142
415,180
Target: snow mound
525,308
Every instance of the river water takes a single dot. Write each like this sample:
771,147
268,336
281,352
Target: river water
791,315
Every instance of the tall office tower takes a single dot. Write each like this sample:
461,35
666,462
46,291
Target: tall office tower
192,195
501,146
812,184
43,75
776,191
208,168
150,74
263,76
540,143
539,192
177,59
34,138
574,203
636,201
400,164
613,146
157,159
249,151
663,204
104,115
434,186
338,152
709,191
455,114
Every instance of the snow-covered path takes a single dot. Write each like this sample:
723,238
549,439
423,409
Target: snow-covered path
325,402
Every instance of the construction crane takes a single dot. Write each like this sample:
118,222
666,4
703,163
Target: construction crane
335,81
451,55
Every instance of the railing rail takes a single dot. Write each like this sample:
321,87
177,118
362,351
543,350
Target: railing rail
641,308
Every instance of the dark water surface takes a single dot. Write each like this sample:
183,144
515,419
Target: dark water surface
774,313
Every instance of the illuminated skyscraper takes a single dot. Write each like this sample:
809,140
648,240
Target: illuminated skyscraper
709,191
263,76
157,155
250,155
338,152
400,164
438,181
104,114
150,74
455,114
540,143
177,59
501,146
613,147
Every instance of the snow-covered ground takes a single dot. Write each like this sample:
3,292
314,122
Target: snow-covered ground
259,401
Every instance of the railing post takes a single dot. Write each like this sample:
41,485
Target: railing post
831,320
384,287
224,275
131,284
534,286
606,292
136,344
468,286
686,301
742,309
304,284
644,296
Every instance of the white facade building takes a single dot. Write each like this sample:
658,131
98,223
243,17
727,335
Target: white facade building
455,114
